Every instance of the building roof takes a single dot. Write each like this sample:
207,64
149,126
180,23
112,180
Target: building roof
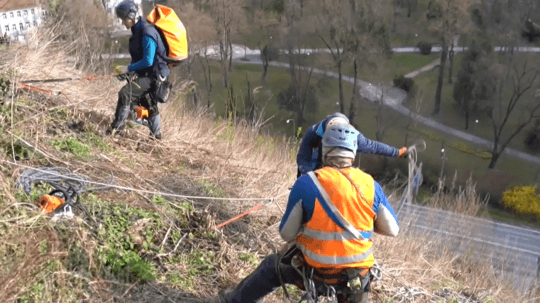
9,5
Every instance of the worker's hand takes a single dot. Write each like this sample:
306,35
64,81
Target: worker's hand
402,152
121,69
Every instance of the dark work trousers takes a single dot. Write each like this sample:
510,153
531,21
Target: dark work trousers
265,279
130,96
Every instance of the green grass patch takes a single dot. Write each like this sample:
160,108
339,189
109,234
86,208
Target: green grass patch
98,142
72,145
502,215
211,189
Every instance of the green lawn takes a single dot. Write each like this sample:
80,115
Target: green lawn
451,113
380,71
411,30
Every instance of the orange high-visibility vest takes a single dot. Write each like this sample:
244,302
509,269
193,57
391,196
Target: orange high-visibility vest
323,242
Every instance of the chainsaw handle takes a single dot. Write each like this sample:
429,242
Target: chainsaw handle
68,198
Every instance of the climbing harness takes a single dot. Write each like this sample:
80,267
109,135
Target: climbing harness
315,282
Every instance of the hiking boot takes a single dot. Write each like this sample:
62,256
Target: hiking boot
114,131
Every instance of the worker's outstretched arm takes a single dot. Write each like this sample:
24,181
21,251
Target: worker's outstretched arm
367,146
309,142
386,222
149,52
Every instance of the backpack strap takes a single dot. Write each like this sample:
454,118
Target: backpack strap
332,210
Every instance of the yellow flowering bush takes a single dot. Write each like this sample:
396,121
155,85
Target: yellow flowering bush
524,199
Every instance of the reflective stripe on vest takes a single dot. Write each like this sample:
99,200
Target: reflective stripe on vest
335,236
334,259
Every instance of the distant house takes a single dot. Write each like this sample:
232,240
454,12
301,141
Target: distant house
17,16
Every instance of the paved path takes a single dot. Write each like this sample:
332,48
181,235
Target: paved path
424,69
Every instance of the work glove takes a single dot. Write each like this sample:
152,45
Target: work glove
403,152
121,69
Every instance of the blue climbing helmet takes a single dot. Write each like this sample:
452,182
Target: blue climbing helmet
337,117
340,136
127,9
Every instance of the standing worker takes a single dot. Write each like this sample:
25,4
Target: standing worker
148,62
309,156
330,217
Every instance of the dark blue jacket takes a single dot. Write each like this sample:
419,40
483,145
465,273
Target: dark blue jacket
309,155
137,50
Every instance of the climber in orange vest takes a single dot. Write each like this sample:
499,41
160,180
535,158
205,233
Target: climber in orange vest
329,222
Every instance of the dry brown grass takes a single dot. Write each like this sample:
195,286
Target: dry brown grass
464,200
197,152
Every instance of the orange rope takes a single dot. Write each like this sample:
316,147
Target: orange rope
256,208
48,91
30,87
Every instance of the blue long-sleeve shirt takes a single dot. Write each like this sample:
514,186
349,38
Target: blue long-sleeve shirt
301,205
149,51
308,161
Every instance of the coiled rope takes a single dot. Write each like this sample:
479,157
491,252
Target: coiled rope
59,178
415,178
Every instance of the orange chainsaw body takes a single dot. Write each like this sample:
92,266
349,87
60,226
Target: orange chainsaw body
49,203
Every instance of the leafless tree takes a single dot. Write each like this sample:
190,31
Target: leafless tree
201,29
335,29
514,89
448,18
266,26
226,14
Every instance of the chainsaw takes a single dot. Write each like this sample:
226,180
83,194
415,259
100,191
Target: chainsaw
58,201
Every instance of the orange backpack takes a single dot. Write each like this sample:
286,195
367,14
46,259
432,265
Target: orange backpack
173,32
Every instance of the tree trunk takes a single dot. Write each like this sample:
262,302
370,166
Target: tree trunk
394,18
265,57
466,120
209,98
230,55
494,158
352,107
195,97
409,8
265,71
340,83
352,4
451,63
444,53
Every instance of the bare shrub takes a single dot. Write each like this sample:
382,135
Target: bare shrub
83,32
464,200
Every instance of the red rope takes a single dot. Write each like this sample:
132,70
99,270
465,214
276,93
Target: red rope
30,87
256,208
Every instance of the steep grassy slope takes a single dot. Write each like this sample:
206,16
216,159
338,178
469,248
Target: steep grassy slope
151,236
